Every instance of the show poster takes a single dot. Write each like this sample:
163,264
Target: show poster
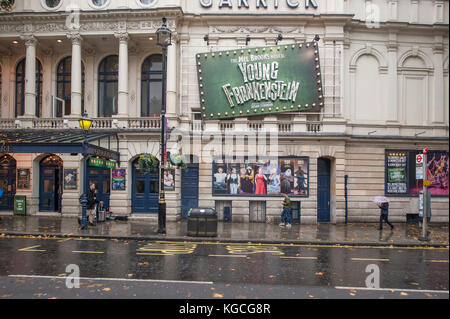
264,177
169,179
23,178
256,81
118,179
70,178
436,172
396,163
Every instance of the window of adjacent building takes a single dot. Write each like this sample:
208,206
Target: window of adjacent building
108,81
146,2
151,86
51,4
64,87
20,88
99,3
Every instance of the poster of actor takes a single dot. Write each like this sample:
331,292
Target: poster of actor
220,178
300,177
437,173
234,179
287,176
260,179
247,179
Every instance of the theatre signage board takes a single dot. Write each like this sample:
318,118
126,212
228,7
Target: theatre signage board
258,81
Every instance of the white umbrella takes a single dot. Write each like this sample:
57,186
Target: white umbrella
380,199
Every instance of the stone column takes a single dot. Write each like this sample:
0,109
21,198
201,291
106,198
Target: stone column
392,106
172,79
76,82
30,76
438,110
123,74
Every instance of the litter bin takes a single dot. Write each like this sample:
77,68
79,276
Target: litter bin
101,215
202,222
20,205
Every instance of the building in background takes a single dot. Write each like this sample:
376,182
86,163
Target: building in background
384,74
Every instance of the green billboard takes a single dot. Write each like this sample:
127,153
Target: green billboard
257,81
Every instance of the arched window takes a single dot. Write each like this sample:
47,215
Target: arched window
64,86
151,86
20,88
108,79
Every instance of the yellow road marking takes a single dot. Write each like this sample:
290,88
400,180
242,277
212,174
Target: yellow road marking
287,257
437,261
236,256
31,249
154,254
370,259
87,252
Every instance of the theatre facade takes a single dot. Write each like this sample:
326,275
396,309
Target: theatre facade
329,101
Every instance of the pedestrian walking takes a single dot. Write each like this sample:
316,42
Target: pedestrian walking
286,215
91,204
384,210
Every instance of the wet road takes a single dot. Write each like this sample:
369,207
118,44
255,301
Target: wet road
36,268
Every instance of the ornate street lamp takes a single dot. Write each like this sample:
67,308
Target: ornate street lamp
85,125
164,39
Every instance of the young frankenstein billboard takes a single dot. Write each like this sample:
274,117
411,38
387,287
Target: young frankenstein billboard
257,81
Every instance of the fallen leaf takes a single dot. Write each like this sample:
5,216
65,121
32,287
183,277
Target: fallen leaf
272,276
216,295
319,273
403,294
106,289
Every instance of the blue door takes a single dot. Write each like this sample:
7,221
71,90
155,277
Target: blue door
189,189
323,190
50,184
101,177
145,194
7,182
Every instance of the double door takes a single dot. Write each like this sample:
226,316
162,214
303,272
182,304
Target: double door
101,178
145,194
189,189
8,187
50,193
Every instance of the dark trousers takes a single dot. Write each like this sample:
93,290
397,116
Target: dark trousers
385,218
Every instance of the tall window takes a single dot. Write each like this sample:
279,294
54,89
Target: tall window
64,87
20,88
108,79
151,86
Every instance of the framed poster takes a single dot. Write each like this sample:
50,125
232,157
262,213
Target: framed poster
266,176
70,178
169,180
118,179
23,178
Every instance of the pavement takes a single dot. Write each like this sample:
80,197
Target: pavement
357,234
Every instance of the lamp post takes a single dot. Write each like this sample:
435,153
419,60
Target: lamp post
164,39
85,125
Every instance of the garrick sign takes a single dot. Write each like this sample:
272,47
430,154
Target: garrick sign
257,81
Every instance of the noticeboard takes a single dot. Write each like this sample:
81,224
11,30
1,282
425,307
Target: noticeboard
20,205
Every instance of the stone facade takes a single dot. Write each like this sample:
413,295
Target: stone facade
385,79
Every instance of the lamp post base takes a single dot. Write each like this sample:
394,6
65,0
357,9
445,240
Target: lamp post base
162,218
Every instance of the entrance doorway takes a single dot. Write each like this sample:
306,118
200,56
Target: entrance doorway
101,178
145,191
189,189
7,181
50,184
323,189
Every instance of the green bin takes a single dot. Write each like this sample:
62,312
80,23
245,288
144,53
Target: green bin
20,205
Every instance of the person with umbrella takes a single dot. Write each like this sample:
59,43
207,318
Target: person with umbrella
383,203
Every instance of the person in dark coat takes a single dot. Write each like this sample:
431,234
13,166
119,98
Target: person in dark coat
91,204
384,207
